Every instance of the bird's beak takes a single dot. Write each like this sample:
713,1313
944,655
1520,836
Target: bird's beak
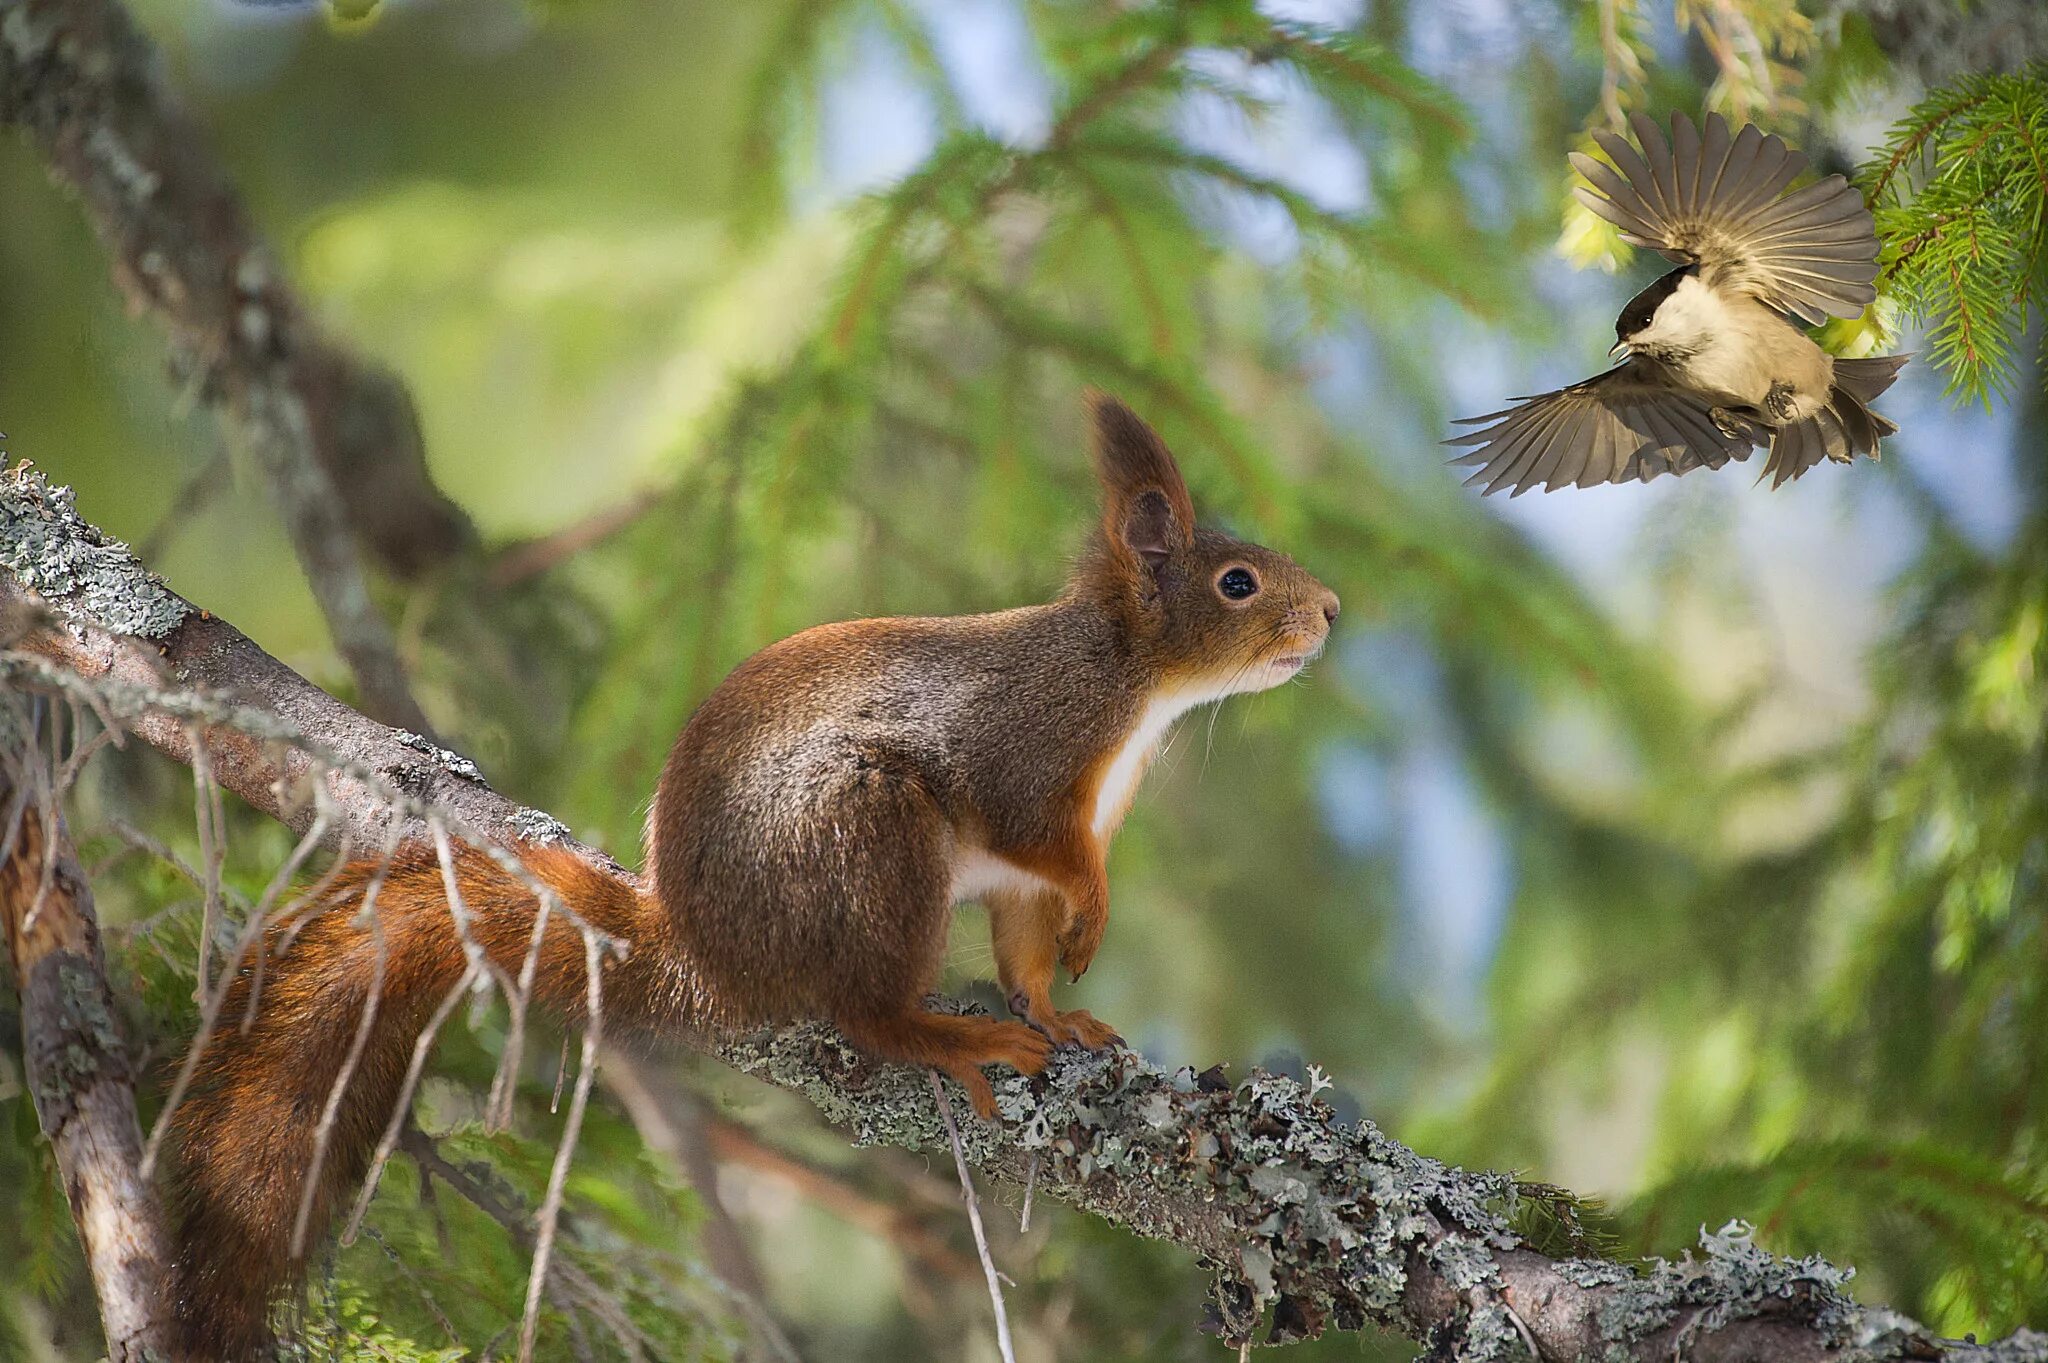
1616,349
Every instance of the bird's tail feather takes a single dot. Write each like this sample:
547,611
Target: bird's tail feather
1843,429
1866,379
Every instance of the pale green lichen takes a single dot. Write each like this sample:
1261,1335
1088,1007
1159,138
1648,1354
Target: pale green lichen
90,578
1732,1279
1312,1223
1594,1272
449,761
81,1041
1293,1208
536,826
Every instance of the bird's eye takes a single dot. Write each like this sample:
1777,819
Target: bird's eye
1237,584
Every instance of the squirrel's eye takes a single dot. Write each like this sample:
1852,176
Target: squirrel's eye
1237,584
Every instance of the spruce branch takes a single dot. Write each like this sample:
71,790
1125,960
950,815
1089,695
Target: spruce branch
1342,65
1960,192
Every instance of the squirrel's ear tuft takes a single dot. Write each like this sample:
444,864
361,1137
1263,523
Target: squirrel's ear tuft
1145,505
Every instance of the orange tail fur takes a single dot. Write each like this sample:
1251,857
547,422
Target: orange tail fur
243,1139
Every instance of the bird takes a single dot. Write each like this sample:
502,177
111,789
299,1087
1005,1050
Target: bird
1716,355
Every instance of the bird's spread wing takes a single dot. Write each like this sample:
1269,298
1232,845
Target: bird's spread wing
1612,428
1714,200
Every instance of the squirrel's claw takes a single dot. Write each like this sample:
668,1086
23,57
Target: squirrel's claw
1075,1025
1078,945
1084,1027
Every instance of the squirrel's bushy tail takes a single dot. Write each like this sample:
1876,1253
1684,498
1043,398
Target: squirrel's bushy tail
244,1137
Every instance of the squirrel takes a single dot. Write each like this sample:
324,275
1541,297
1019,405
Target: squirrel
820,814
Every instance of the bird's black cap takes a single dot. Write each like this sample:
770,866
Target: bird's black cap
1644,305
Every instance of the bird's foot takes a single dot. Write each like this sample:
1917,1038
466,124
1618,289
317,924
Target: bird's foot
1728,423
1779,403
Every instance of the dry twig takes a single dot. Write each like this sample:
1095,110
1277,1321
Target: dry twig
988,1263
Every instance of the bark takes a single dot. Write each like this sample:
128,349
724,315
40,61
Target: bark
337,440
143,635
1307,1223
1939,40
78,1070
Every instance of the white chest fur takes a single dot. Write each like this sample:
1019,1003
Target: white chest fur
1127,767
976,873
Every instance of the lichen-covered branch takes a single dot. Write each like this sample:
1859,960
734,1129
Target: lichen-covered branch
78,1069
338,441
1307,1223
135,635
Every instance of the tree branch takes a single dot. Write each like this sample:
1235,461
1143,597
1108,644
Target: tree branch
1327,1224
135,634
337,440
78,1069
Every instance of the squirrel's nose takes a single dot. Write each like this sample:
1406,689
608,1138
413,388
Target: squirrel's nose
1330,607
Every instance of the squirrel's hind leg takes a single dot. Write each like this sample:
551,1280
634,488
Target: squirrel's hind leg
956,1046
881,917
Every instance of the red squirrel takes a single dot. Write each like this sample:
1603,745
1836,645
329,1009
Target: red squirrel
818,818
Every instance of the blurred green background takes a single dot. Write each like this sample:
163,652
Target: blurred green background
1681,844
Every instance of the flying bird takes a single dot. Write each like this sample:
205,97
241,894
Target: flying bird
1718,360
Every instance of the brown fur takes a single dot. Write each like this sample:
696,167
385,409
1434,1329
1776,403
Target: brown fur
813,826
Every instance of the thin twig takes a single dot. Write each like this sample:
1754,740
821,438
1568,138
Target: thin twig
323,1134
420,1050
558,1177
498,1107
528,559
258,923
191,498
988,1263
206,807
1030,1190
1522,1329
156,849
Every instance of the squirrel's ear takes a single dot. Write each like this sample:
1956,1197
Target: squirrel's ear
1145,505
